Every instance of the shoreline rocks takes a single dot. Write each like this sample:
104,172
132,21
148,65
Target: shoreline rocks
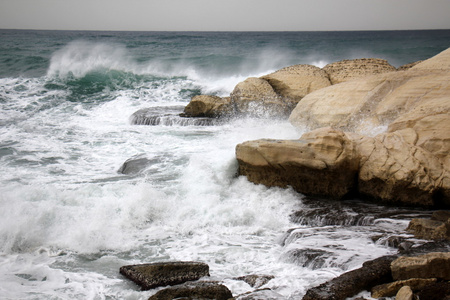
408,164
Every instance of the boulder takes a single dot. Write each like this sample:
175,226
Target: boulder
405,293
407,164
393,169
321,162
149,276
429,229
208,106
349,69
256,97
295,82
378,100
430,265
194,290
391,289
372,273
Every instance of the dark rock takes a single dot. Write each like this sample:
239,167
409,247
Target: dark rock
437,291
149,276
372,273
441,215
310,258
194,290
256,281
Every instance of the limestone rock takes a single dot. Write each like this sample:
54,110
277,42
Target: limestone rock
349,69
429,229
408,66
431,265
393,169
208,106
194,290
372,273
405,293
321,162
256,97
378,100
391,289
295,82
149,276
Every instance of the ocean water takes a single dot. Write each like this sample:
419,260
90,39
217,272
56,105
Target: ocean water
69,219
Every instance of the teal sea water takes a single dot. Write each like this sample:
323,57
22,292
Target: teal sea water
69,219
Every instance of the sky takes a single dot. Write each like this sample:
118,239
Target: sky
225,15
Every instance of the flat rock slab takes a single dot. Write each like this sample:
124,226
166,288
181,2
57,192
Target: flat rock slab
431,265
194,290
149,276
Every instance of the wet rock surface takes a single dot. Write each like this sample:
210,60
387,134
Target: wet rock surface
372,273
168,116
196,290
149,276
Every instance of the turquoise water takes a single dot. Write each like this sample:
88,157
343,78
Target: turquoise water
69,220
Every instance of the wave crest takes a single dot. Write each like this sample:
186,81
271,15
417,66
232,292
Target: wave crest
79,58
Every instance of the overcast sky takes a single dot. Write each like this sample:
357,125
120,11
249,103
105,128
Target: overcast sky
229,15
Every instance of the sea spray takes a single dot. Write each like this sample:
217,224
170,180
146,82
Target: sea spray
69,219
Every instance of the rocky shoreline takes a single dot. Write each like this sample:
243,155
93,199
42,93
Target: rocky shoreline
373,132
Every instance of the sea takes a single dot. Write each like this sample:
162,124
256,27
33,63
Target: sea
70,218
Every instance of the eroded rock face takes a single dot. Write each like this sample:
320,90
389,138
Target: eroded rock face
208,106
295,82
326,153
349,69
431,265
405,160
149,276
256,97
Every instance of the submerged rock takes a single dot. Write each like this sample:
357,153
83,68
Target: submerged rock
167,116
194,290
264,294
149,276
135,165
